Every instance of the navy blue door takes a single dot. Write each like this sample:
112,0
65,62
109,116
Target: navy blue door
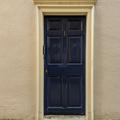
64,67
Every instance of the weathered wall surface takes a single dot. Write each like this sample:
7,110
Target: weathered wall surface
16,59
17,36
107,60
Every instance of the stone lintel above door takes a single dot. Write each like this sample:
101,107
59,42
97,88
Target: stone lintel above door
65,2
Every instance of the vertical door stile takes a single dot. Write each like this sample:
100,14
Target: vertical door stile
63,77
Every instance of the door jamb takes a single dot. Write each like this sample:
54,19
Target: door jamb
42,10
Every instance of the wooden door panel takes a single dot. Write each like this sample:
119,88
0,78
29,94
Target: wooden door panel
74,91
74,48
64,65
54,50
54,89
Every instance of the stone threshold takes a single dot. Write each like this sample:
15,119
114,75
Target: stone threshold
64,117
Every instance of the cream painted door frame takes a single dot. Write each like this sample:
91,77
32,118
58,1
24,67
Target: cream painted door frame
43,9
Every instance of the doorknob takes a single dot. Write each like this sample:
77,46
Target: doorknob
64,33
46,70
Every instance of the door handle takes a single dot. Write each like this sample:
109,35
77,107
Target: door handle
46,70
64,33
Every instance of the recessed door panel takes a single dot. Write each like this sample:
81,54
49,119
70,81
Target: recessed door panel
54,50
54,89
64,65
74,91
74,47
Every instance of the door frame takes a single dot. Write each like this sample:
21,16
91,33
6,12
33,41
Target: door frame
88,11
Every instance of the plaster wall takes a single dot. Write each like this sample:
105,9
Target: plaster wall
17,45
17,35
107,60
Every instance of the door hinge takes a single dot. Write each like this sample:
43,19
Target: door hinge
43,50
